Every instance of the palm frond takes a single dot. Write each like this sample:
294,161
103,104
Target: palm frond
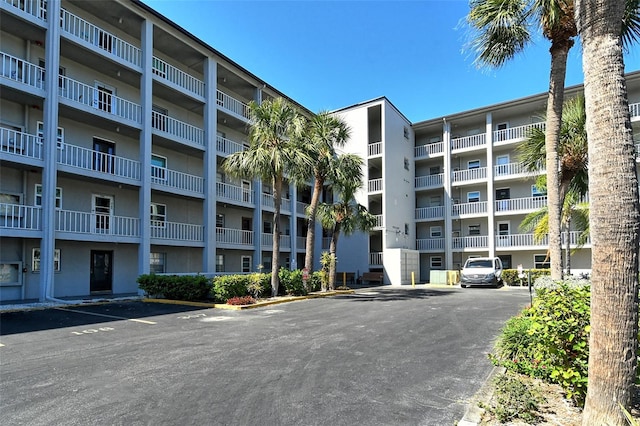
631,23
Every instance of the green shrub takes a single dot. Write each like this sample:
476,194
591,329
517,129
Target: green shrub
259,285
176,287
315,281
510,276
291,281
515,399
227,286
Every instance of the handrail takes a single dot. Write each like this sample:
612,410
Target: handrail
164,70
19,143
88,159
22,71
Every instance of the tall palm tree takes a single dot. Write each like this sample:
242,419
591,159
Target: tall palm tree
615,214
325,133
275,151
345,215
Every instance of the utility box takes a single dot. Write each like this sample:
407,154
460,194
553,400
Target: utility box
444,277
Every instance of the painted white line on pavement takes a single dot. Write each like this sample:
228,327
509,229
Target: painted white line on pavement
105,315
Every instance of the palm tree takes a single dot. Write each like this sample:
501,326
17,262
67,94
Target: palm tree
345,215
615,214
325,133
275,151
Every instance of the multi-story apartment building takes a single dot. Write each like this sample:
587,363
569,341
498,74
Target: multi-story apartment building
115,121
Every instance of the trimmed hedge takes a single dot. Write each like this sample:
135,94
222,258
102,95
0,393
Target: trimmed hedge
227,286
176,287
510,276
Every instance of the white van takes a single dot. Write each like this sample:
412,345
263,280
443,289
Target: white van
481,271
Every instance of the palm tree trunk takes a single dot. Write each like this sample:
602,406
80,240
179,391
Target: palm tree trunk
559,52
614,215
311,224
333,248
275,259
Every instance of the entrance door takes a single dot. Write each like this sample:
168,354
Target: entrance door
504,232
502,194
246,226
502,165
102,209
103,155
101,271
103,97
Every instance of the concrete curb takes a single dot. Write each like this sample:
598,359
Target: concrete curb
473,415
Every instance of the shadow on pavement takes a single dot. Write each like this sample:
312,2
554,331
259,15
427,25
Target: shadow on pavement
76,316
386,294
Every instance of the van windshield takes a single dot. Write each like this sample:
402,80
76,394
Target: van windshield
485,263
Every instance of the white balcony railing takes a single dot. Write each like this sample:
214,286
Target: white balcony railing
520,204
429,149
231,104
233,193
178,231
19,143
177,180
519,132
99,99
375,185
502,170
36,8
19,70
227,146
269,201
301,243
301,208
519,240
423,213
177,128
468,141
235,237
431,181
107,42
469,208
17,216
267,241
375,149
88,159
379,221
375,258
480,241
178,77
469,174
430,244
96,224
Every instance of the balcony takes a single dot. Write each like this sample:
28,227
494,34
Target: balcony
174,231
634,110
35,8
106,164
375,185
19,217
519,205
227,147
234,238
469,175
469,209
527,241
107,103
21,71
165,72
430,213
176,181
269,202
267,241
472,242
430,244
232,105
301,244
301,208
467,142
95,224
93,36
379,221
176,129
375,258
429,182
375,149
429,150
234,194
516,133
20,144
512,170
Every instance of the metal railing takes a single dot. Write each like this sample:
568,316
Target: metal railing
468,141
231,104
429,212
178,77
469,208
177,180
375,258
520,204
96,224
88,159
430,244
480,241
107,42
379,221
301,208
233,193
431,181
99,99
17,216
301,243
36,8
519,132
235,237
510,169
19,143
269,201
227,146
177,231
375,149
429,149
22,71
375,185
177,128
267,241
469,174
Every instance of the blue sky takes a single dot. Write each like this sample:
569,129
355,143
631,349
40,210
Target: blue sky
331,54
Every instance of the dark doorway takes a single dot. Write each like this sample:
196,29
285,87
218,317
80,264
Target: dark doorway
101,271
103,155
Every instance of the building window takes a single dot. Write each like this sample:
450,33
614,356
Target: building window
535,192
158,215
406,163
541,261
474,230
435,231
473,197
35,260
267,227
37,201
220,263
219,220
435,262
246,264
434,170
158,168
157,263
406,229
59,136
473,164
406,132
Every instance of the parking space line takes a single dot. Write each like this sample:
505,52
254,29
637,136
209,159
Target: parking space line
106,316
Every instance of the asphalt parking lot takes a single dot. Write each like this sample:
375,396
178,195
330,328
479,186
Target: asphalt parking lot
382,356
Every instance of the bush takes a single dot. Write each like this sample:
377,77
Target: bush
176,287
243,300
291,281
227,286
259,285
515,399
510,276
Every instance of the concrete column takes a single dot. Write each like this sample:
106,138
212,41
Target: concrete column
210,166
490,188
49,172
448,198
